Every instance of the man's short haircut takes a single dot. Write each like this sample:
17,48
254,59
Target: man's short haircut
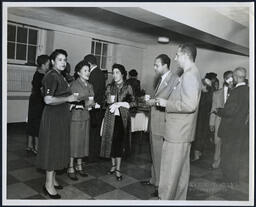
241,72
133,73
190,50
90,59
225,75
164,59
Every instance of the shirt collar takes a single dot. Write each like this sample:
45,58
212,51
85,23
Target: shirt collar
240,84
93,68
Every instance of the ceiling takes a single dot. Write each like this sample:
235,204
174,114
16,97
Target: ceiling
132,27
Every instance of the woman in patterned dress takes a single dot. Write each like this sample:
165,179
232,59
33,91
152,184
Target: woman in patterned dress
116,134
54,137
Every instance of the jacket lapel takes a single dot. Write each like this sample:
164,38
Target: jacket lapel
164,84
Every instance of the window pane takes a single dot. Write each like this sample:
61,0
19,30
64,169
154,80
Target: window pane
98,48
31,54
32,38
104,62
21,52
11,50
92,48
11,33
98,59
22,35
105,49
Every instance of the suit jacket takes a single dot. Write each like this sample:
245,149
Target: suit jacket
157,123
217,102
97,79
135,84
235,113
182,107
77,86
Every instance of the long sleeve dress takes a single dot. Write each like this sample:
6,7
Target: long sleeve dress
116,133
36,105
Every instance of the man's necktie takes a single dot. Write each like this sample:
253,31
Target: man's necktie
159,82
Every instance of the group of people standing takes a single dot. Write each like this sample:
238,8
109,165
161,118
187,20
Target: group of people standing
84,117
185,110
70,123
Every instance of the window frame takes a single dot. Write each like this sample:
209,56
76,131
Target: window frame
23,62
108,57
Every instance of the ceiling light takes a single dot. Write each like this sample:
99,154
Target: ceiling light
163,39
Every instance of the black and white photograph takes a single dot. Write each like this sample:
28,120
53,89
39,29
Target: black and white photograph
128,103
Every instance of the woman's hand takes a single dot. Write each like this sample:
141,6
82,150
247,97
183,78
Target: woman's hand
73,97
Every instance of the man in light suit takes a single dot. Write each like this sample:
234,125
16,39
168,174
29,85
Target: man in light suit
218,100
181,115
234,127
162,90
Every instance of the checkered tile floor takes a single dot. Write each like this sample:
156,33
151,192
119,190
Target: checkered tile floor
24,181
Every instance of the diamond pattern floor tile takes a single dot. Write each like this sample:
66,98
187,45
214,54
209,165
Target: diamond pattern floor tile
19,190
94,187
138,190
71,192
111,179
116,195
26,174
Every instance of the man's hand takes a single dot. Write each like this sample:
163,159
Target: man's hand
151,102
161,102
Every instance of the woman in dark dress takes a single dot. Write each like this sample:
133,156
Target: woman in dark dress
116,136
54,137
202,127
36,103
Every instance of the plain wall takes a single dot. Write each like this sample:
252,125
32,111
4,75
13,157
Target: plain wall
206,61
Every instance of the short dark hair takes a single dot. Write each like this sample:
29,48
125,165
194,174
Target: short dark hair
90,59
56,52
227,73
121,68
164,59
133,73
79,66
190,50
42,59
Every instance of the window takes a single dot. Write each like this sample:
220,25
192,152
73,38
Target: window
102,51
22,44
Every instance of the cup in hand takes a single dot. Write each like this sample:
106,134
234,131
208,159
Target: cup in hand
91,99
147,97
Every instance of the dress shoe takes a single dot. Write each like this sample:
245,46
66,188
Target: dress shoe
112,170
120,177
145,182
59,187
155,193
72,175
56,196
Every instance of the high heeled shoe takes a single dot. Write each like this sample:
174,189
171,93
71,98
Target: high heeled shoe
112,170
119,178
56,196
72,175
81,171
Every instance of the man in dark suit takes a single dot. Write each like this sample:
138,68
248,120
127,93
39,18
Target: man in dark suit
233,128
97,79
134,82
218,100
